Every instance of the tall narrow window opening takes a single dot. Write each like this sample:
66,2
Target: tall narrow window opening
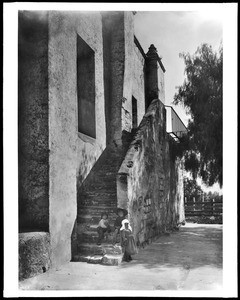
86,88
134,113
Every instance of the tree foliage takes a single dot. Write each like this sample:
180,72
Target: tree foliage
201,96
192,189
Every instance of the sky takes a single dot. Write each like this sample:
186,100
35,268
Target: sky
173,32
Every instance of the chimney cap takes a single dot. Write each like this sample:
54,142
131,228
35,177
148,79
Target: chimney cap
152,47
152,54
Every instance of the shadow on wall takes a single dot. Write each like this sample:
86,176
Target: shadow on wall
101,177
80,188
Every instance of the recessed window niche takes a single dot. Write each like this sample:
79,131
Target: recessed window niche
86,88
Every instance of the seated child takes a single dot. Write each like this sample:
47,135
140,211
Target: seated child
118,223
103,227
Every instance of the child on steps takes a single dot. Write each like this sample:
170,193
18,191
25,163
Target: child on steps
121,215
103,227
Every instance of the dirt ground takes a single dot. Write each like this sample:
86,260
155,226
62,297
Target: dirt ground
188,259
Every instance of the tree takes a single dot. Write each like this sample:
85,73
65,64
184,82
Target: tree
192,189
201,96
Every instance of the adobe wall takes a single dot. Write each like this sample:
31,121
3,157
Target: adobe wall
161,84
138,86
33,131
72,154
134,81
114,58
128,72
123,74
149,182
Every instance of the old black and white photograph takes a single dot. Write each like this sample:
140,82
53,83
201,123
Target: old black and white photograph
120,149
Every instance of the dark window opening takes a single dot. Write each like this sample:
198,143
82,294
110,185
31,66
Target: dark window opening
134,113
86,88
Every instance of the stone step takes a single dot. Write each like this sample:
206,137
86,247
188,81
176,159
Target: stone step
94,220
93,249
101,193
102,186
99,201
107,172
112,170
98,180
91,259
111,260
108,260
96,209
97,213
90,222
90,226
112,157
92,237
111,164
99,197
104,179
94,202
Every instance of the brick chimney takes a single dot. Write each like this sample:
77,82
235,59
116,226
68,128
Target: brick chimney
154,76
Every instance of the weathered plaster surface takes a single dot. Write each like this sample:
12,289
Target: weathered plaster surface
133,84
34,254
161,85
128,71
114,59
138,87
154,200
71,155
33,121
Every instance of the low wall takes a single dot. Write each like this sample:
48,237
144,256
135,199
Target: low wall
150,184
34,254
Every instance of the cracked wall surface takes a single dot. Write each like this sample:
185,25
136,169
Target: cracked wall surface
150,181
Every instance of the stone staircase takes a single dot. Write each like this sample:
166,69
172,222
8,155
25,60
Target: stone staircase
98,194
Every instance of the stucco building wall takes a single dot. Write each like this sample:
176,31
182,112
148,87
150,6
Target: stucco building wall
161,85
138,86
72,154
114,60
33,113
54,157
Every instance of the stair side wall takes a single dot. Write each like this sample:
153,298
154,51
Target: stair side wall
154,196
